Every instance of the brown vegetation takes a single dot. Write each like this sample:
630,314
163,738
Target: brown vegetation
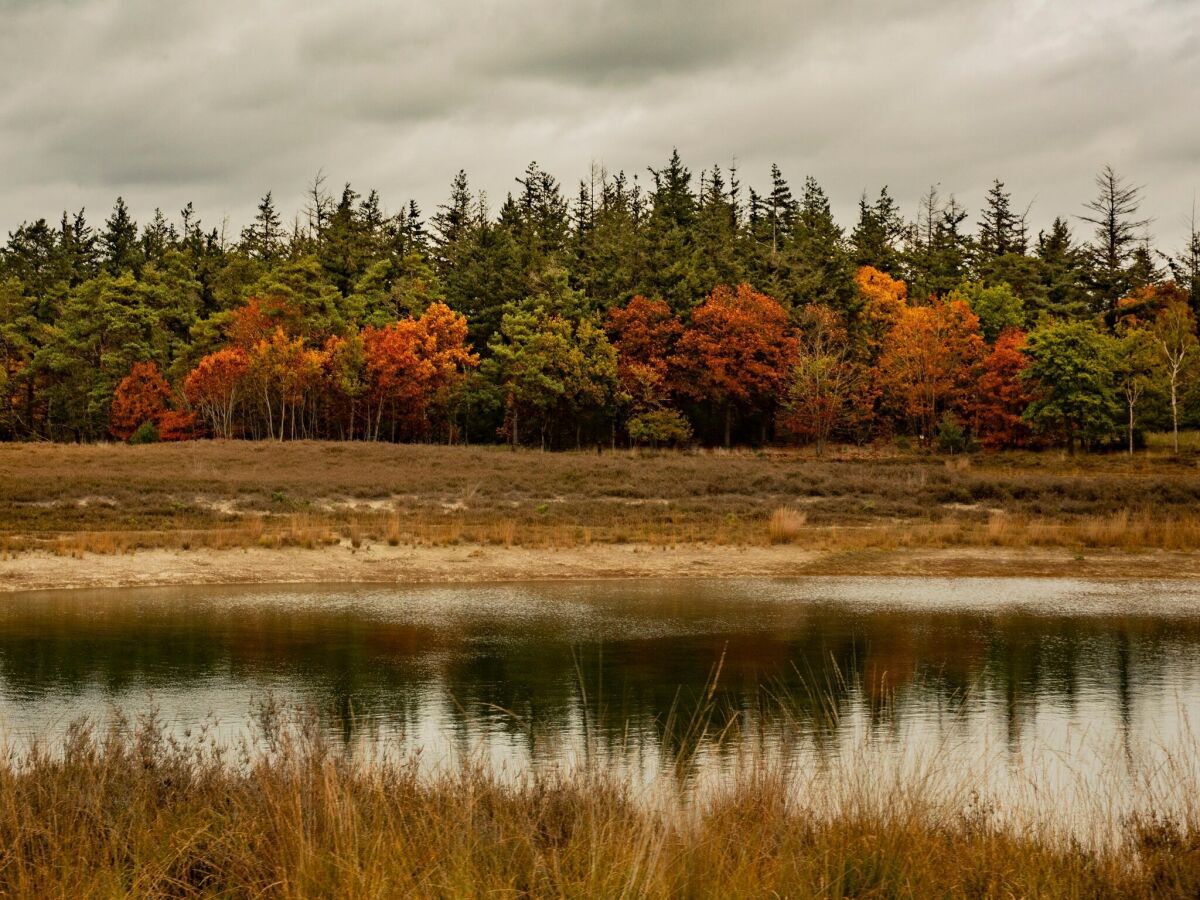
128,811
114,499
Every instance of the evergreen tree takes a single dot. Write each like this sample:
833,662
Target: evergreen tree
262,239
670,236
1062,273
1113,214
119,241
876,238
1001,231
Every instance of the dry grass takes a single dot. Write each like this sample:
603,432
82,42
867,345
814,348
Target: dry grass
128,812
785,525
116,499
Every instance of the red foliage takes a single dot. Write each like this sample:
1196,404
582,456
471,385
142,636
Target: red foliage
176,425
213,387
644,333
142,396
1003,396
736,352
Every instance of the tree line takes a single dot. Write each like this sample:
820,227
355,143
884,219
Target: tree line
657,311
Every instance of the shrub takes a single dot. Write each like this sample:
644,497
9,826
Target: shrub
146,433
660,426
950,437
785,525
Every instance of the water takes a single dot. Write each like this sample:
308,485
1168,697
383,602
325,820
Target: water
1049,682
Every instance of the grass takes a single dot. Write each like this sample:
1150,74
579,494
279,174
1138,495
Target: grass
113,499
131,811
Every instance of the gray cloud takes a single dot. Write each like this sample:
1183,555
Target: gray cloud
218,102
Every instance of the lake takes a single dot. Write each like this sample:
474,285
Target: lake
1028,683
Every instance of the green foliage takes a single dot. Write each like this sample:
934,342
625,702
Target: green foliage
998,307
659,426
951,437
1072,371
146,433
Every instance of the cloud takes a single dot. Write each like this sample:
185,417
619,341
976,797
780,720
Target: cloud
218,102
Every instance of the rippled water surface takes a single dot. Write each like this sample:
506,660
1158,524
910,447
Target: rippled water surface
1105,677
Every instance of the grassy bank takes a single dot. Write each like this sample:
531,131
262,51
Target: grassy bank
114,498
129,812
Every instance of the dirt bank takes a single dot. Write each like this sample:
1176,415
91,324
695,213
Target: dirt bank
465,563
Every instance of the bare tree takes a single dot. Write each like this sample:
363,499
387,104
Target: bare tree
1175,332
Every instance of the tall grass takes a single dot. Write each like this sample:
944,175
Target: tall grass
129,811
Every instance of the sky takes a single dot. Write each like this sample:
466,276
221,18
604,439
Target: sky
216,102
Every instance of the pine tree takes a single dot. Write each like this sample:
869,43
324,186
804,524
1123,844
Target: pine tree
1113,213
1001,231
819,267
119,241
876,237
262,239
1063,270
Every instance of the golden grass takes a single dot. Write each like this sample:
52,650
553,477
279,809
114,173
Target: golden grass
129,812
785,525
117,499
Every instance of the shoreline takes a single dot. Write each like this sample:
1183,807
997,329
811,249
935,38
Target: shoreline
477,564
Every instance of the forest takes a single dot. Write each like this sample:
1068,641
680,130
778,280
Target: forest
660,310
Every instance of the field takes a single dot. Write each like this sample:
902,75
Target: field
71,499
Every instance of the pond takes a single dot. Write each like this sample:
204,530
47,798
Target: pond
1068,683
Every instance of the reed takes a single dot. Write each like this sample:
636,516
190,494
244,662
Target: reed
130,811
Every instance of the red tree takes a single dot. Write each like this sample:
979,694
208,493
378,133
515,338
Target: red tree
736,353
142,396
644,333
215,386
1003,396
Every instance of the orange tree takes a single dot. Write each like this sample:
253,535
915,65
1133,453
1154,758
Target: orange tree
736,353
216,385
142,396
929,362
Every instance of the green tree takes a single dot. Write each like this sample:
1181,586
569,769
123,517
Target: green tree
997,306
1137,370
119,244
1071,372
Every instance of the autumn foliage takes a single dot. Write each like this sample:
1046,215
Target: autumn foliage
736,353
1003,396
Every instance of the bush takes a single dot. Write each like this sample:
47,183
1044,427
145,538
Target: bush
146,433
950,437
660,426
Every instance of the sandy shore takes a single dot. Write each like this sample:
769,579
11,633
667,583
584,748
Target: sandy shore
383,565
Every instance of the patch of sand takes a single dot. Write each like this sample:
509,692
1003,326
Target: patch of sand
382,564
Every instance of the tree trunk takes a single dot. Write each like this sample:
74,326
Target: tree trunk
1175,415
1130,429
728,424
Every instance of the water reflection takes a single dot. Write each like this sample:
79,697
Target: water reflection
528,673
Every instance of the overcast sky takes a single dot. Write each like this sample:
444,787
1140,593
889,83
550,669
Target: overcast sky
219,101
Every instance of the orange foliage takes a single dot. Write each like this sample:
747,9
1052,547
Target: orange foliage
215,385
884,300
176,425
413,364
1003,396
142,396
644,333
929,362
258,320
737,351
1144,305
